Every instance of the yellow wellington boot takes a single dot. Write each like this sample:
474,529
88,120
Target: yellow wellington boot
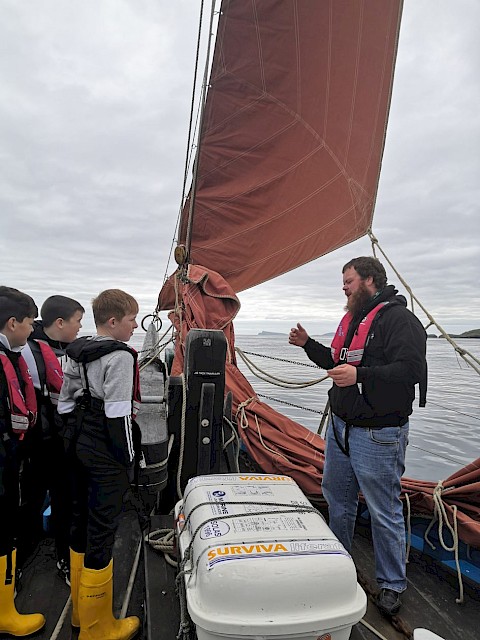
11,621
95,599
76,566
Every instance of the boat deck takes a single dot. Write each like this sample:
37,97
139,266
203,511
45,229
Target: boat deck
429,601
43,591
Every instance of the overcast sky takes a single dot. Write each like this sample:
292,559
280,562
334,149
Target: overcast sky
94,107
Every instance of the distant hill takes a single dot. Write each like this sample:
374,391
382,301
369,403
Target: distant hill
276,333
474,333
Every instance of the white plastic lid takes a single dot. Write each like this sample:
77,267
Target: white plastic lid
261,568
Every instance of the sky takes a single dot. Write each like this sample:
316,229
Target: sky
94,108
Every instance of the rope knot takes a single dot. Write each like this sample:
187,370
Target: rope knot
241,415
440,516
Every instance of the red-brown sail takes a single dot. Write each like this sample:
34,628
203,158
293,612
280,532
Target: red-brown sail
293,134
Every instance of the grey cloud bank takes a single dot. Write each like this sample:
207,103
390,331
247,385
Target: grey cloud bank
94,109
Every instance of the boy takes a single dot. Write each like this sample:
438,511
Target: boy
17,413
44,463
98,400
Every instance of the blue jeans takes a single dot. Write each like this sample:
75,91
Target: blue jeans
374,467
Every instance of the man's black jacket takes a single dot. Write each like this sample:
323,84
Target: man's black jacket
393,362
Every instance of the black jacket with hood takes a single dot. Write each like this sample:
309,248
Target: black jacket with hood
393,363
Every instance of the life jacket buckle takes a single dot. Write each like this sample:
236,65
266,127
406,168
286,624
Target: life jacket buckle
343,354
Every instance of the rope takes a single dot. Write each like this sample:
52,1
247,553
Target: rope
131,581
156,349
61,619
241,410
244,425
372,629
263,355
460,350
396,621
266,377
184,629
164,544
440,516
322,427
234,438
189,140
290,404
182,436
460,413
188,240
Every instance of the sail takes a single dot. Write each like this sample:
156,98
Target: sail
293,134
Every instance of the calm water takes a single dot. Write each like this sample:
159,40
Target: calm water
444,435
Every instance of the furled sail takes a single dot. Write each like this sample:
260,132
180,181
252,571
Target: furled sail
293,134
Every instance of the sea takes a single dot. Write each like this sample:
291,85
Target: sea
444,435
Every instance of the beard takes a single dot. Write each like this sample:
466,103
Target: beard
358,301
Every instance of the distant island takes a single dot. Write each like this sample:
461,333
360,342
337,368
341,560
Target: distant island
277,333
474,333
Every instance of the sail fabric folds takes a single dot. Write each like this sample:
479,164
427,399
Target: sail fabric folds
293,134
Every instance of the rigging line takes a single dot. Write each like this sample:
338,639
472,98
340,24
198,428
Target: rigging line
189,137
434,453
460,413
192,105
290,404
279,382
460,350
261,355
188,240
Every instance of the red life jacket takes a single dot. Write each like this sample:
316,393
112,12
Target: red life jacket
23,405
53,371
354,353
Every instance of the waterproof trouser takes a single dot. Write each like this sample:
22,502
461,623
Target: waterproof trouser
101,491
12,622
45,470
9,493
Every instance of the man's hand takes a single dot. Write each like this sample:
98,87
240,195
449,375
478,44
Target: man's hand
298,336
344,375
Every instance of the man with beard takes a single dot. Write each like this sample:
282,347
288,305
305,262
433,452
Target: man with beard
375,360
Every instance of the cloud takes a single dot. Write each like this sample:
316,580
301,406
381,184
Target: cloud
94,110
